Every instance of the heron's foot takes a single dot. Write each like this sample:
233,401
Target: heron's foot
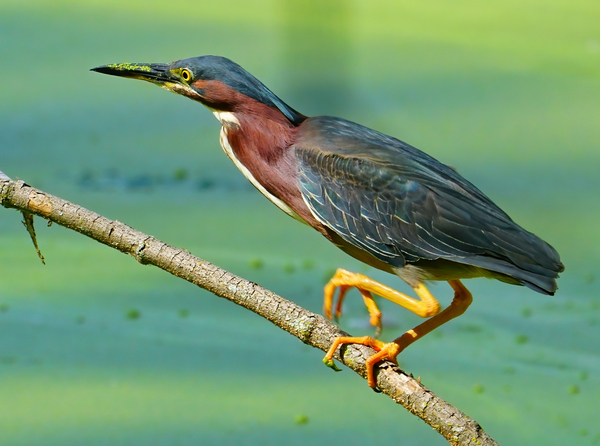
344,280
462,300
385,351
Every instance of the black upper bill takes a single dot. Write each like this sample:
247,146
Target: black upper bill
158,73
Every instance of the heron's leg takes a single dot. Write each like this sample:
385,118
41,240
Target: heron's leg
462,300
374,313
460,303
426,306
328,302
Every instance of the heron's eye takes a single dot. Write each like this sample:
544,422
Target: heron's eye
186,75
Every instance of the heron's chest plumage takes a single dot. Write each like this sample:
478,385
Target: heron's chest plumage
262,159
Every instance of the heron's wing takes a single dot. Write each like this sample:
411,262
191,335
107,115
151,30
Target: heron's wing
401,205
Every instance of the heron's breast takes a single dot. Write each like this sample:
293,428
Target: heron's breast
227,148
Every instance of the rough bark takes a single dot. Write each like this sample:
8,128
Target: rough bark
310,328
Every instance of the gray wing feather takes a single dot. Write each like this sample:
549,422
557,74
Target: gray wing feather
401,205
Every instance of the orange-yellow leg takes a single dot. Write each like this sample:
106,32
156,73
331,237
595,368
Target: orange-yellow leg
344,280
336,282
462,300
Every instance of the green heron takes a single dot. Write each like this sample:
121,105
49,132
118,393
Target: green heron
377,198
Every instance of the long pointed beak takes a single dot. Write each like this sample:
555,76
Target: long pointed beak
157,73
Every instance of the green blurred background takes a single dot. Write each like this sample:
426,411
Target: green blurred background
96,349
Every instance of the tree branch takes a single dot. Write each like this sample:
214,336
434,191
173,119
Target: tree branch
310,328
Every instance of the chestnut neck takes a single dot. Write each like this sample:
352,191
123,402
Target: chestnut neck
261,131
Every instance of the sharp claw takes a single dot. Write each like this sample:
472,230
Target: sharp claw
331,364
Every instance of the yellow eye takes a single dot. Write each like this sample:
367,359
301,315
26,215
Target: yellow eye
186,75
